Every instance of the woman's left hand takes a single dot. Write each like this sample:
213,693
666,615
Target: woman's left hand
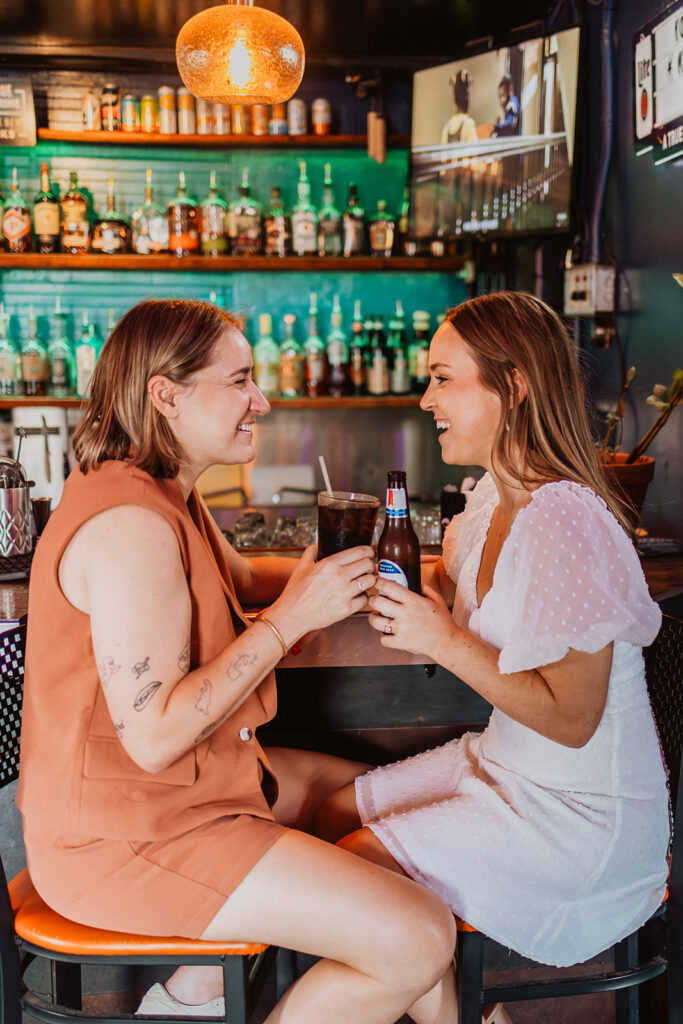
411,622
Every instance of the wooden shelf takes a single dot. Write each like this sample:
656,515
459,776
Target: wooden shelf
119,138
134,261
350,402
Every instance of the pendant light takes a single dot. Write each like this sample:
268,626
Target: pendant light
238,53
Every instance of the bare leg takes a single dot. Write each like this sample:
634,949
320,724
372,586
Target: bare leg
338,814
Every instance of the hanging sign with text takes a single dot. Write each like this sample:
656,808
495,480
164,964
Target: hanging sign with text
658,85
17,113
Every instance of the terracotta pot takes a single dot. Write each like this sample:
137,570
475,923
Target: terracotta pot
629,480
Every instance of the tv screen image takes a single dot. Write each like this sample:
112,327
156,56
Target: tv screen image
492,141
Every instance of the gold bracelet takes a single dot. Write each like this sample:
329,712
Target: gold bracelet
276,631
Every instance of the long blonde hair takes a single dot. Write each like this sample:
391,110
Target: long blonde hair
546,434
163,336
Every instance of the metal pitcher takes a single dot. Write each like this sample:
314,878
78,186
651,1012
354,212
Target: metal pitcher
15,509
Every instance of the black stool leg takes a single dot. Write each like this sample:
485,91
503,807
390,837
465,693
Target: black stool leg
285,970
66,984
236,986
626,999
470,975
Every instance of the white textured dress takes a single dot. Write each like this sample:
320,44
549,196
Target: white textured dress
553,851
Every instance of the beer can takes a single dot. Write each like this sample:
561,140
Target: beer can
149,114
130,114
240,119
187,124
168,122
278,120
221,116
260,117
110,107
321,116
204,115
90,112
296,117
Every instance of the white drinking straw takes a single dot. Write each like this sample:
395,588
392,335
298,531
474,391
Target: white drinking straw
326,475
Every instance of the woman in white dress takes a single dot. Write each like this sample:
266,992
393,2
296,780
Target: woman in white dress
549,830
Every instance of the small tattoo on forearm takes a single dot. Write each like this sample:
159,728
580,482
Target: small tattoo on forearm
184,657
119,726
235,670
210,728
108,668
203,701
141,667
145,695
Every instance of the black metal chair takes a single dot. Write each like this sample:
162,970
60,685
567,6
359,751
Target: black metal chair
29,929
664,668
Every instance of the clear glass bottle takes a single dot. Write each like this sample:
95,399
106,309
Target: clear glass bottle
267,359
418,353
214,241
46,215
291,378
358,353
400,382
378,368
75,224
149,223
338,354
304,217
381,231
87,351
60,358
353,224
276,226
34,367
111,232
315,356
245,222
16,219
183,222
329,220
10,380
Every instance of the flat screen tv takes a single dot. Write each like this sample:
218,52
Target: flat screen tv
492,141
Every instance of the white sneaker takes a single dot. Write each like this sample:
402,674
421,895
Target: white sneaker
158,1002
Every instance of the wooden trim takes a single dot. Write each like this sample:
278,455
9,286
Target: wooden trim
121,138
324,402
135,261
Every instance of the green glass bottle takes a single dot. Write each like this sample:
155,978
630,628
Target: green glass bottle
245,222
213,240
291,375
10,380
111,231
338,354
34,367
267,359
60,358
358,353
315,355
329,220
400,382
304,218
87,351
353,222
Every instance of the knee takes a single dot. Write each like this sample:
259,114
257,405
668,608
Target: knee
433,936
337,815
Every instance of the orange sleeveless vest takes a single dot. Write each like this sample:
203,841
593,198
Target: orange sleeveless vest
75,775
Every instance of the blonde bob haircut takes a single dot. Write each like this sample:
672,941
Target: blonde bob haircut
545,433
159,336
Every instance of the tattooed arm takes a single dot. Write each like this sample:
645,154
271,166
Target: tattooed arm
123,569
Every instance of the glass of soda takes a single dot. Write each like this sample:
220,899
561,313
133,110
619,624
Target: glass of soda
345,519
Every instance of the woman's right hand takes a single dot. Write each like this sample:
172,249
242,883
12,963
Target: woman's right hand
319,593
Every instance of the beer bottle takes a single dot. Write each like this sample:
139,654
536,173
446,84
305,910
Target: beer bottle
398,551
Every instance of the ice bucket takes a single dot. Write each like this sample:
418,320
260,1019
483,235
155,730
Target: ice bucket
15,510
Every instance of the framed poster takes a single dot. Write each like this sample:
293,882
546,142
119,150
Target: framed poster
658,85
17,113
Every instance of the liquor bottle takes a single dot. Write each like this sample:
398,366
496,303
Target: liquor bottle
3,241
381,231
418,354
111,322
87,351
149,224
329,220
398,550
267,359
378,368
358,353
111,232
315,356
400,382
353,224
46,215
338,354
34,368
74,226
304,218
403,244
10,381
214,241
292,373
245,222
60,358
16,219
276,226
183,221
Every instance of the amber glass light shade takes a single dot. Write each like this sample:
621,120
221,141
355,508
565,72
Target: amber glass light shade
237,53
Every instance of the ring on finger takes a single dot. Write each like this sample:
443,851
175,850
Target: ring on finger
387,629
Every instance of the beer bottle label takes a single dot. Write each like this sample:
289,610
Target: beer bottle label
387,570
34,367
46,218
291,375
396,505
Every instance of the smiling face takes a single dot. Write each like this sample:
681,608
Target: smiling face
466,414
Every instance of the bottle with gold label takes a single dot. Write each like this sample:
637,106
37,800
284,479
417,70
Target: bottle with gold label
34,367
276,226
75,225
10,380
149,223
183,222
213,238
16,219
46,215
418,353
245,222
291,362
111,232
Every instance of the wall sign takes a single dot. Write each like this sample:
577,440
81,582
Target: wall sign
17,113
658,85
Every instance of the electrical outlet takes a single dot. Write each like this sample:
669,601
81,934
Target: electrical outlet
589,289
